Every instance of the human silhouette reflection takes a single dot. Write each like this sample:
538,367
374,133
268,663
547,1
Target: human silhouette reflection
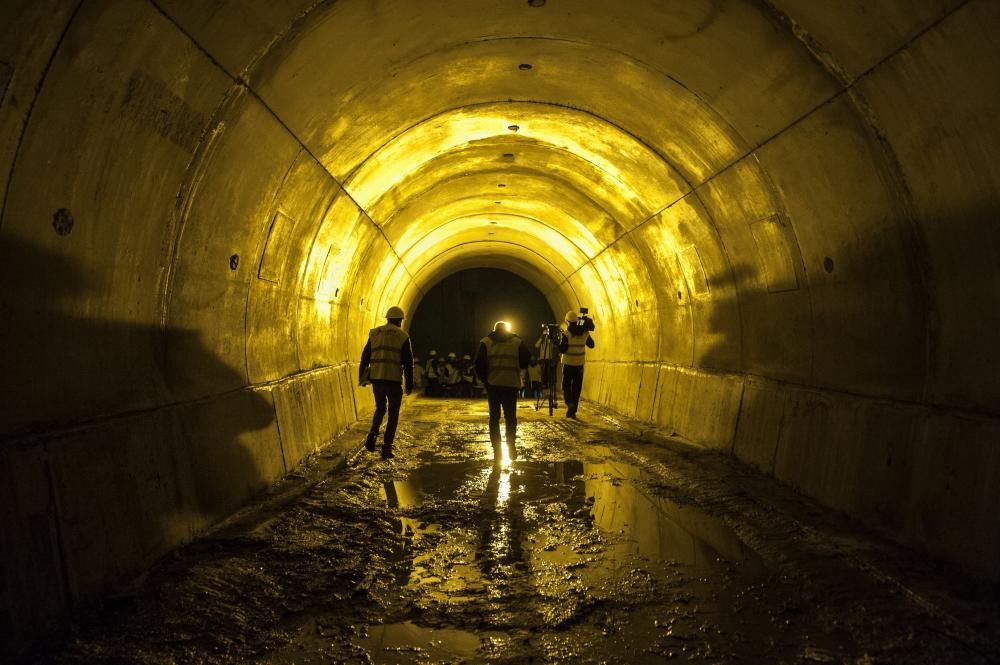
500,549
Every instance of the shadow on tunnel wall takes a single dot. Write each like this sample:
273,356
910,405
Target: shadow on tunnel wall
110,455
867,391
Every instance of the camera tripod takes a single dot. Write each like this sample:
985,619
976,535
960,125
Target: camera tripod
546,352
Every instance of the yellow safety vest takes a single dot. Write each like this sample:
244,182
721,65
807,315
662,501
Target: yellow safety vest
576,353
387,352
502,360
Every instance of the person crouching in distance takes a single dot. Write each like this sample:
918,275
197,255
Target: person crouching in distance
386,362
501,357
573,345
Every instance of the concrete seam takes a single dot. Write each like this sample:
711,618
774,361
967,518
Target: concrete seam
258,257
777,443
54,429
973,413
194,174
847,86
739,417
31,107
242,82
301,278
281,439
70,595
922,267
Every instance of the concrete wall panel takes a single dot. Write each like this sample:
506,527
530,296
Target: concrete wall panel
122,501
867,340
952,498
299,207
648,388
936,105
29,33
229,217
698,407
775,323
33,597
761,419
89,214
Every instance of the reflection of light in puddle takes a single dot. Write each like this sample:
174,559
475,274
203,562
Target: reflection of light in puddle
504,458
574,524
503,488
409,643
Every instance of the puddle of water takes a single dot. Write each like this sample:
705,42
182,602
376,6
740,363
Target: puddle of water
409,643
608,494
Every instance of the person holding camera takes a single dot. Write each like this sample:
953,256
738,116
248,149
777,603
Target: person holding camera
501,357
573,345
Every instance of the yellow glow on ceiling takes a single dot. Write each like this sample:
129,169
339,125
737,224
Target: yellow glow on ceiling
530,233
584,135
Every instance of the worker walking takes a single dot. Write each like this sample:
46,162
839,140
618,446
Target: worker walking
387,362
573,345
501,357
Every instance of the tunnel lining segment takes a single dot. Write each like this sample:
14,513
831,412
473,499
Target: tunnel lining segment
244,84
31,107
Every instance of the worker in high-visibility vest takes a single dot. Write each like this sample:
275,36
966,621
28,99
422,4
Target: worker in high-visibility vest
573,345
468,376
386,363
431,375
501,357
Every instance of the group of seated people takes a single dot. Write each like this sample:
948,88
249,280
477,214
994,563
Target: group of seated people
447,376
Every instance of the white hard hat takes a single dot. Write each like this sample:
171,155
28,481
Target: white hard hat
433,352
451,355
571,316
466,357
394,313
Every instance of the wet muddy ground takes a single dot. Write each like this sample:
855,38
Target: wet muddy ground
593,546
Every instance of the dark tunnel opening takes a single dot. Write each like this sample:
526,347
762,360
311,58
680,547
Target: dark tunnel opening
462,308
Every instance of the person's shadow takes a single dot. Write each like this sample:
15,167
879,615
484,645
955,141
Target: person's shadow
120,440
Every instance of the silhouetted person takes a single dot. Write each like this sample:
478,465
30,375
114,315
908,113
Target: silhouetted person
387,360
501,357
573,345
431,375
534,378
468,376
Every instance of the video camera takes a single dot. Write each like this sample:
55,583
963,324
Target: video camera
551,330
585,320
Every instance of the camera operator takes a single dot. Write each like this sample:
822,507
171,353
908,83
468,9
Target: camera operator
573,345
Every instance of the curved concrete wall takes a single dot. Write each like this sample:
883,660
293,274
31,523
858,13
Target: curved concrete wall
781,213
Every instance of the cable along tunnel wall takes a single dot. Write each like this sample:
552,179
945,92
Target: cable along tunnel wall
780,217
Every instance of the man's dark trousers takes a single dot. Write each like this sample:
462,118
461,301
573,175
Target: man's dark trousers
572,387
502,397
387,393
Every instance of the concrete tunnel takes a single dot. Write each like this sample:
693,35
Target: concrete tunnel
782,213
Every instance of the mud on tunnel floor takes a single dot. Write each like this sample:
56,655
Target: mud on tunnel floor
595,545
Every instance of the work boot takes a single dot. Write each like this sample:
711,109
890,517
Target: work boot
387,453
370,443
512,449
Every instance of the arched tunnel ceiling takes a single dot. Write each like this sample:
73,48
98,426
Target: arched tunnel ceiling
578,137
621,136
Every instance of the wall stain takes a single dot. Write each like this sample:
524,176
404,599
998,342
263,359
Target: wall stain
149,102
